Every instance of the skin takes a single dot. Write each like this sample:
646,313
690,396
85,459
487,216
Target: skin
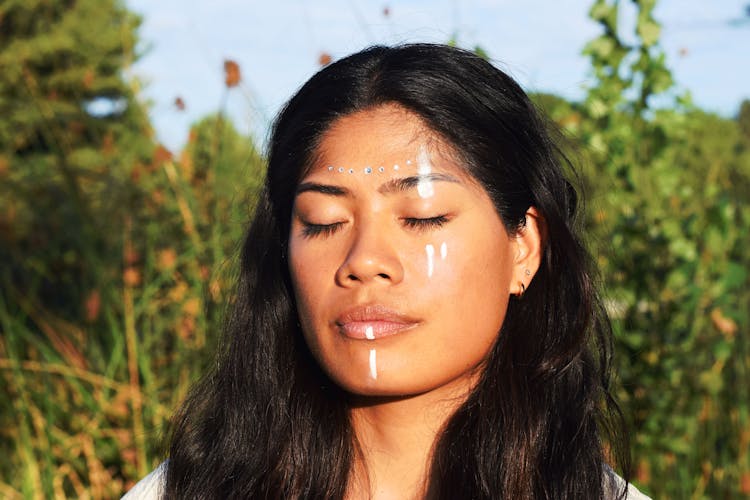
358,241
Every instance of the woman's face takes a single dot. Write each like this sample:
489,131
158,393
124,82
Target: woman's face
401,267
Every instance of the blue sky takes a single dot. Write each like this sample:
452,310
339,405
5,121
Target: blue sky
277,45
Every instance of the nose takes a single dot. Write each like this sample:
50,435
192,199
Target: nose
371,258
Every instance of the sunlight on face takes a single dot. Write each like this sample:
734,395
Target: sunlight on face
401,267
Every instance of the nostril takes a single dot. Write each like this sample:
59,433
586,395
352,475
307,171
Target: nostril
359,268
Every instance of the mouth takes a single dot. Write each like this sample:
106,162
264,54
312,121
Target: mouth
372,322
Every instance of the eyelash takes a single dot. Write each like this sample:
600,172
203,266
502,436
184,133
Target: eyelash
311,230
425,224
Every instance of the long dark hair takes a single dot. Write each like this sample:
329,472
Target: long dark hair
268,423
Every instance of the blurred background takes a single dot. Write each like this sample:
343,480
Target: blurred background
131,150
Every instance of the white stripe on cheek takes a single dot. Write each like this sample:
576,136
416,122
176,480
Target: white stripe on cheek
430,250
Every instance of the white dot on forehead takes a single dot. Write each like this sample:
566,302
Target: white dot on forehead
381,169
395,167
351,170
330,168
408,162
368,170
341,169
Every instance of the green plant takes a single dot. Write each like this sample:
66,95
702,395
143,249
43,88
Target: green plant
117,258
670,227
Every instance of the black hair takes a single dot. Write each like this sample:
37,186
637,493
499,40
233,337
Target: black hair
268,423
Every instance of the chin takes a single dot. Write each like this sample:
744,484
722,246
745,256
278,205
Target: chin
406,384
383,388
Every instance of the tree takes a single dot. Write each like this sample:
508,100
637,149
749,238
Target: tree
743,119
670,228
71,129
71,133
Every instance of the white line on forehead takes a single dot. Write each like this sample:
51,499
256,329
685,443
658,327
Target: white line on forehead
424,169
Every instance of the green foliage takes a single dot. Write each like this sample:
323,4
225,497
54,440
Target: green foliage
743,120
477,49
670,227
59,61
118,258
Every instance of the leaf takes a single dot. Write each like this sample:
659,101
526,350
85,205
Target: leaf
735,276
649,31
605,14
601,47
478,50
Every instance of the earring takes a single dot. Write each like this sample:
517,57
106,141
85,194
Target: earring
527,272
523,289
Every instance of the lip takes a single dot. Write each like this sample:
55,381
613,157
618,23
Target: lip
373,321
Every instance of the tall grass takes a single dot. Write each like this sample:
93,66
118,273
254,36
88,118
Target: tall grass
102,337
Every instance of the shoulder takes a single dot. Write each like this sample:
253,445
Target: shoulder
614,485
634,494
150,487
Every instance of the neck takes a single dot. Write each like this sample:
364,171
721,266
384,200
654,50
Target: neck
396,436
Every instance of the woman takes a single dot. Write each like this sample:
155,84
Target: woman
415,316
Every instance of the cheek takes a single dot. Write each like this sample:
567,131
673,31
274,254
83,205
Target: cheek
312,271
308,307
306,284
466,265
470,286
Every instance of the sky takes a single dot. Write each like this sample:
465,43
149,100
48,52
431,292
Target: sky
277,45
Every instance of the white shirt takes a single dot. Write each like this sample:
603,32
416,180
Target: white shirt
151,486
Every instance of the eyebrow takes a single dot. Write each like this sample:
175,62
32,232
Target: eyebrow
321,188
405,183
392,186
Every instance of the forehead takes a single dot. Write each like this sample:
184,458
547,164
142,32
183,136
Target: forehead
383,137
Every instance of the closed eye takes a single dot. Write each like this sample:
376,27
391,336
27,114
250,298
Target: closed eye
425,223
310,230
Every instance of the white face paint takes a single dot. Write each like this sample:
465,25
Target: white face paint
425,189
430,251
370,335
424,169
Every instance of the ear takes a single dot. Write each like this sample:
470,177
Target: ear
529,244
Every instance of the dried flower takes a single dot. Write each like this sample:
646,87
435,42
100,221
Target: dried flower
93,305
131,276
167,258
231,73
324,59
